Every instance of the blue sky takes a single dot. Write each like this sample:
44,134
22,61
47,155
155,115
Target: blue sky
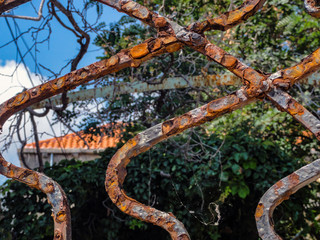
53,54
62,45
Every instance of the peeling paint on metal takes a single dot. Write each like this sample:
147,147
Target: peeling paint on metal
171,38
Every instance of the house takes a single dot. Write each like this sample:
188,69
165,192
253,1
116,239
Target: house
81,146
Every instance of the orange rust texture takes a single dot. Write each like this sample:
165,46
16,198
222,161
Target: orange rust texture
297,111
229,19
166,42
259,211
250,77
295,108
116,170
278,185
293,180
293,74
138,11
130,57
62,220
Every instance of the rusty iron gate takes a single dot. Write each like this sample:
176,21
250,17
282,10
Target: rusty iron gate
172,37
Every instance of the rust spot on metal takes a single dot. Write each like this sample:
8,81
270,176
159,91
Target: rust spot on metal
130,6
167,126
259,211
61,216
160,22
229,19
293,180
59,83
171,38
173,47
19,99
222,104
295,108
49,188
58,235
277,186
141,13
154,45
113,60
139,51
229,61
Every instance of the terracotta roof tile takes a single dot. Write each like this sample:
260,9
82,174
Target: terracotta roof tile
73,141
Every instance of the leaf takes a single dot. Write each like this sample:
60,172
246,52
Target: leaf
236,169
234,189
243,191
224,176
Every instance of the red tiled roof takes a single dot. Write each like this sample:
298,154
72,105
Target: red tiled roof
73,141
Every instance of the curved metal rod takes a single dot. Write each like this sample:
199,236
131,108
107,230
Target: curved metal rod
280,192
229,19
190,37
223,22
55,195
285,102
172,37
197,41
308,65
289,76
142,142
131,57
135,10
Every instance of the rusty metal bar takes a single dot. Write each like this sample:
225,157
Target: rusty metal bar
132,57
255,82
137,87
229,19
142,142
168,83
6,5
285,102
127,58
55,195
171,38
278,193
193,39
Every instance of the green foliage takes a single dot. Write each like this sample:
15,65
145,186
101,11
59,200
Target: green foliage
223,167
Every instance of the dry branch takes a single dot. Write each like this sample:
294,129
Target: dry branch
171,38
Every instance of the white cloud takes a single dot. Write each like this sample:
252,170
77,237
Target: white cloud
13,80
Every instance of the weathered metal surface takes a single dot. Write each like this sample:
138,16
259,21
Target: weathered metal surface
285,102
55,195
6,5
229,19
278,193
125,58
73,79
116,171
137,87
171,38
168,83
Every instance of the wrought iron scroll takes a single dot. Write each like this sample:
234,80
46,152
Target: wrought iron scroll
172,37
